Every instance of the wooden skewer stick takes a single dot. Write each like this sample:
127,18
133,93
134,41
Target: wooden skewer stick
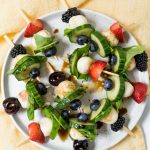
129,132
8,40
24,16
25,141
110,73
64,2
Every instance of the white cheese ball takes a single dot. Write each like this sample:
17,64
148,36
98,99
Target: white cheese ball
46,126
64,88
111,118
76,21
23,99
128,89
131,65
83,64
110,37
76,135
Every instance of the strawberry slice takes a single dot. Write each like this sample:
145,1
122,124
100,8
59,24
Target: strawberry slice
97,68
35,133
139,93
118,31
33,27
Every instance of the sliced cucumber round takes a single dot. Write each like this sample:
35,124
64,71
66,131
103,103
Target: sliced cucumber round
85,29
121,60
103,44
102,111
74,123
117,92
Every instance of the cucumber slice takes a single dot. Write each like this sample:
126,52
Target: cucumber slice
102,111
85,29
44,48
103,44
34,94
74,57
25,65
117,92
77,94
74,123
121,59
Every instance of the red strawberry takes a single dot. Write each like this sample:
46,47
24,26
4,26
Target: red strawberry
139,92
118,31
35,133
33,27
96,69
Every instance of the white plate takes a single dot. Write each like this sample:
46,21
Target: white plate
11,87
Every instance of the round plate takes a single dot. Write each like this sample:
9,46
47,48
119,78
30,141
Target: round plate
11,87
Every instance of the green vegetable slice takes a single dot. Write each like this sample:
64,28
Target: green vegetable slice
74,57
104,110
25,65
72,34
77,94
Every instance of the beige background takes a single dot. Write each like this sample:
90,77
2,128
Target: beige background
133,14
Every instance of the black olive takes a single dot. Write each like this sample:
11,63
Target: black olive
11,105
50,52
56,77
41,88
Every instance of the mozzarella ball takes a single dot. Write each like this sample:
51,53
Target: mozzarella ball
128,89
23,99
110,37
64,88
111,118
131,65
83,64
46,126
76,21
76,135
37,115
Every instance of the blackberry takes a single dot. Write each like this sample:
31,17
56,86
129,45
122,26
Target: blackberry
141,61
16,50
70,13
118,124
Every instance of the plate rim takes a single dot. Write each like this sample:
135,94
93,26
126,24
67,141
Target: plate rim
17,38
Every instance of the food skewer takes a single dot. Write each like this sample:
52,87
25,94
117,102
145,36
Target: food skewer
127,130
8,40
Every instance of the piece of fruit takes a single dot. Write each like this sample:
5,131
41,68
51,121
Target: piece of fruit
141,61
74,105
35,72
112,59
128,89
17,50
35,133
33,27
97,68
95,104
70,13
93,46
56,78
50,52
108,84
118,31
140,90
118,124
82,39
82,117
65,114
80,145
11,105
41,88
